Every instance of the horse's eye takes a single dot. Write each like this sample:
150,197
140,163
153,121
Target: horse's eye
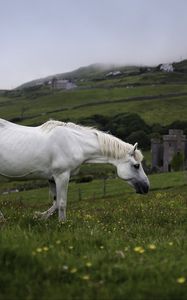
136,166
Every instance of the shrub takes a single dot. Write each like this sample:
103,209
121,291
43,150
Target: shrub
85,178
177,162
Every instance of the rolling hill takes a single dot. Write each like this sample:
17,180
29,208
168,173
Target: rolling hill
155,95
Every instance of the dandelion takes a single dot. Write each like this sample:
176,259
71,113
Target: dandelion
58,242
74,270
170,243
39,250
139,249
89,264
45,248
86,277
181,280
151,246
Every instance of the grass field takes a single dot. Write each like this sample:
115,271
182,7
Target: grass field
150,101
121,246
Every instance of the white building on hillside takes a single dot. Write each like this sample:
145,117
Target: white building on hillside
62,84
167,68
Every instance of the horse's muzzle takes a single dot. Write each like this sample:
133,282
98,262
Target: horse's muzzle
141,187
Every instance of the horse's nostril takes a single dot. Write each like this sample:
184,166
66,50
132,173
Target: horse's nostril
141,188
146,189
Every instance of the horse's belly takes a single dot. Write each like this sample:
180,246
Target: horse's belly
24,168
35,174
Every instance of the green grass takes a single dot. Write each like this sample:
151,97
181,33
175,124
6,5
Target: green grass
92,255
42,104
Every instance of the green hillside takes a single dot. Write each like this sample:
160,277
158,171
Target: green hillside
158,97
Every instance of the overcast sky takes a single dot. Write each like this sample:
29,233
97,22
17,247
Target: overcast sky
44,37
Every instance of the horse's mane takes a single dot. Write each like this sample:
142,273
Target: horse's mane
110,145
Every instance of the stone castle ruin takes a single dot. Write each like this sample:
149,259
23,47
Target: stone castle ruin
169,151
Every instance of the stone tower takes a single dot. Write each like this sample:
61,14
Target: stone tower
157,153
173,143
163,152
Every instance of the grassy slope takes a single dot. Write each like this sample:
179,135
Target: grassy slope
148,94
92,256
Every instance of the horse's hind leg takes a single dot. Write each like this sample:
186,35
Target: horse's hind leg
62,181
2,219
46,214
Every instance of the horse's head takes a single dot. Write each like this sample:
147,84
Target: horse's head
131,170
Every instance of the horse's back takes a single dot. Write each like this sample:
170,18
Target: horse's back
23,150
7,125
4,123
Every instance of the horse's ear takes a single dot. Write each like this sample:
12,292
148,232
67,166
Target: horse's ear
135,146
134,149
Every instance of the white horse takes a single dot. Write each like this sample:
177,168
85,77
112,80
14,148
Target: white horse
55,150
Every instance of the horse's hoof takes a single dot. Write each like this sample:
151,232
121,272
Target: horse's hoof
37,214
2,219
62,221
40,215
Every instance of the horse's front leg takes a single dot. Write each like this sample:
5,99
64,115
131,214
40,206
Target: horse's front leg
62,181
46,214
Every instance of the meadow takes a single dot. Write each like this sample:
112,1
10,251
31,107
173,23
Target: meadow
148,96
120,245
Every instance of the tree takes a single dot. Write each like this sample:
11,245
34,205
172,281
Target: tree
177,162
141,137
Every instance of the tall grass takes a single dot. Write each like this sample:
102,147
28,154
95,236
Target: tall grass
124,246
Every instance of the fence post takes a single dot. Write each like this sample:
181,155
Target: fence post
80,194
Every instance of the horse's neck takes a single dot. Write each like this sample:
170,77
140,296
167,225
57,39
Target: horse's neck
92,150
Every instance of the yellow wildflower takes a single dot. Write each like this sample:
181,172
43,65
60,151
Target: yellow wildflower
170,243
39,250
181,280
74,270
139,249
89,264
86,277
58,242
45,248
151,246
